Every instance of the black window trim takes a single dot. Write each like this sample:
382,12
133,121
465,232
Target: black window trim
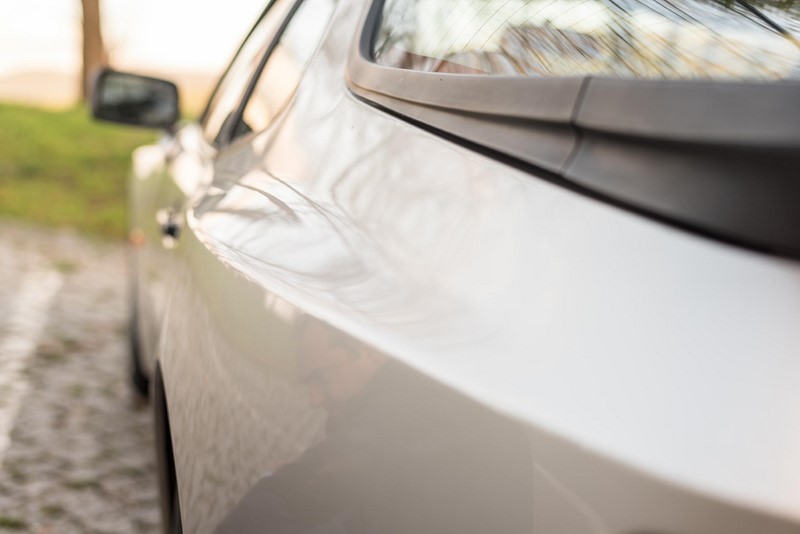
226,134
202,119
683,152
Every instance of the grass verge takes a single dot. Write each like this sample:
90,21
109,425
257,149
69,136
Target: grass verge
60,168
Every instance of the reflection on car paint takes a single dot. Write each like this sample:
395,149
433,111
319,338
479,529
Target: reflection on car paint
388,429
371,328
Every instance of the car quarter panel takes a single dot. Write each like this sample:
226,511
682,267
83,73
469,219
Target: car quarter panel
352,284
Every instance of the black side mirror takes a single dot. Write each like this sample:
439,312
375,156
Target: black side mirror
132,99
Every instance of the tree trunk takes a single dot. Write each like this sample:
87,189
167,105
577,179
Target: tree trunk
94,53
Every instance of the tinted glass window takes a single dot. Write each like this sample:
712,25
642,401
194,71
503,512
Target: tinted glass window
673,39
285,66
225,100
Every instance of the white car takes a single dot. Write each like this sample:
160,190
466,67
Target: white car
477,266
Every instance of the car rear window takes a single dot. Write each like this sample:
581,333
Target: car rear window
650,39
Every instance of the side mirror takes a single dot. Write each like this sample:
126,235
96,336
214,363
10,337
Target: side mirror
132,99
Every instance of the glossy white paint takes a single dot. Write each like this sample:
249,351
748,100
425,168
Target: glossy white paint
664,361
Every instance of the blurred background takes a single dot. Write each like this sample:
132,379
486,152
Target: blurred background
56,167
76,444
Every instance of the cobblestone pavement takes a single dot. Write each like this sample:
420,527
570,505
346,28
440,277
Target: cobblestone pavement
76,451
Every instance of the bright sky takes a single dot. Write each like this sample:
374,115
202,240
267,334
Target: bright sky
160,35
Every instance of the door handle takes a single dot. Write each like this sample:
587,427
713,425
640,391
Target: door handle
169,225
171,229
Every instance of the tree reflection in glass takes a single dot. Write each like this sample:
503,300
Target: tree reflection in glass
651,39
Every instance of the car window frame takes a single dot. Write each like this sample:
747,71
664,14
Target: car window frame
578,100
223,136
229,140
204,115
585,132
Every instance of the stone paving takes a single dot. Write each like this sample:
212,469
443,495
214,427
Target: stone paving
80,457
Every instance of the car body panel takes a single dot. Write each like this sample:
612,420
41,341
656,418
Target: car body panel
637,377
149,290
165,176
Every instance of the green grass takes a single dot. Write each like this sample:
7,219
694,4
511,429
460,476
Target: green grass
82,484
60,168
12,523
53,510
